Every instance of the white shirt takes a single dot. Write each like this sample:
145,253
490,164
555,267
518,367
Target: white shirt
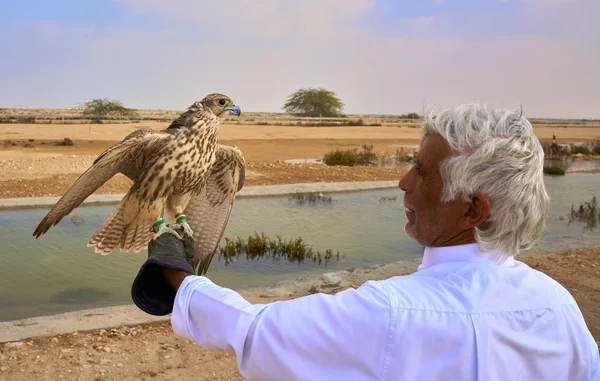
461,316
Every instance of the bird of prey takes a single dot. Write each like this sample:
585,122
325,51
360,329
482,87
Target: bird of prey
179,173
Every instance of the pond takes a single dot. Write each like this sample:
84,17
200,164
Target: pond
58,273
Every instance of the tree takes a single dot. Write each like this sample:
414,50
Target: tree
314,102
412,115
106,106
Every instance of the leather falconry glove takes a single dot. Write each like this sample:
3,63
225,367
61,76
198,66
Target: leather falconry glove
150,290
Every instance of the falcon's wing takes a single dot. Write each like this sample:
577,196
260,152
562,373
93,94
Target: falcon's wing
186,119
208,210
125,157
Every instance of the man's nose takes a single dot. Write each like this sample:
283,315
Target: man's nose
407,181
403,183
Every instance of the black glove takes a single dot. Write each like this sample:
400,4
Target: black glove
150,290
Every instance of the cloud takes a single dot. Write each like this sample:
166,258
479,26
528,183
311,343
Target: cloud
426,20
259,52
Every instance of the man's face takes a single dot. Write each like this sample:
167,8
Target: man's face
430,222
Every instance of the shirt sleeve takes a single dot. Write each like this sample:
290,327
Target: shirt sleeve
311,337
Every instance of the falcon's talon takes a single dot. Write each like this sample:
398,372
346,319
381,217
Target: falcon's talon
166,229
181,223
186,228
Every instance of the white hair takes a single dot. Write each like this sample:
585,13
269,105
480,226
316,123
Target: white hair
495,153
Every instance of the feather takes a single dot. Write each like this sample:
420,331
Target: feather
209,208
123,157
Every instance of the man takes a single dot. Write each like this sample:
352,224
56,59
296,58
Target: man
474,199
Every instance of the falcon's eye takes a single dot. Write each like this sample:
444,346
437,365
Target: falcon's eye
222,102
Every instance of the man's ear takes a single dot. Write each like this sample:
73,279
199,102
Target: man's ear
477,213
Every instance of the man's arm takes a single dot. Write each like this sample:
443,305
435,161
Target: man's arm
310,337
174,277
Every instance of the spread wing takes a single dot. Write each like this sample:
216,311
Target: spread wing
125,157
208,210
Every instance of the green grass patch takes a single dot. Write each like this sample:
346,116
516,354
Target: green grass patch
260,246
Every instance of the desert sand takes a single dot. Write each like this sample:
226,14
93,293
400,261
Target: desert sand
31,165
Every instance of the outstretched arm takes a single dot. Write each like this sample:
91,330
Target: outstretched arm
311,337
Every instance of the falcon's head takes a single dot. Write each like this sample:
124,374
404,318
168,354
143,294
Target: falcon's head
219,104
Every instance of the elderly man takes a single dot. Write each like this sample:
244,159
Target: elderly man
474,199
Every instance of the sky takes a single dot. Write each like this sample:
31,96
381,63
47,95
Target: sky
379,56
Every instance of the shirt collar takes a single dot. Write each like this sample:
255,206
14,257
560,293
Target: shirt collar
459,253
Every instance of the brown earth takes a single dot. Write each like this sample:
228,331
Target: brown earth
151,351
32,165
233,131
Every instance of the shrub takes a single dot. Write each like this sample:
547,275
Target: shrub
339,157
352,157
582,149
554,170
587,213
65,142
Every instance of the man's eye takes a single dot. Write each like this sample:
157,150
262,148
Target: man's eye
418,166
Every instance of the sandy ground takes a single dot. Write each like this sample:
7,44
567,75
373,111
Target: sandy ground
40,168
31,165
114,132
151,351
47,174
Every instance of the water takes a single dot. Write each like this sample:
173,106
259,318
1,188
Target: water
571,165
58,273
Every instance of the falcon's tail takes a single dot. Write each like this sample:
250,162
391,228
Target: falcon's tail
129,226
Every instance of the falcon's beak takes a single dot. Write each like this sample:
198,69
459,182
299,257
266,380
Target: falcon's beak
235,110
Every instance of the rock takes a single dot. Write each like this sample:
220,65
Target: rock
54,340
16,344
332,278
106,349
3,368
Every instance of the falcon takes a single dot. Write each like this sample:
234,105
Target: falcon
180,173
